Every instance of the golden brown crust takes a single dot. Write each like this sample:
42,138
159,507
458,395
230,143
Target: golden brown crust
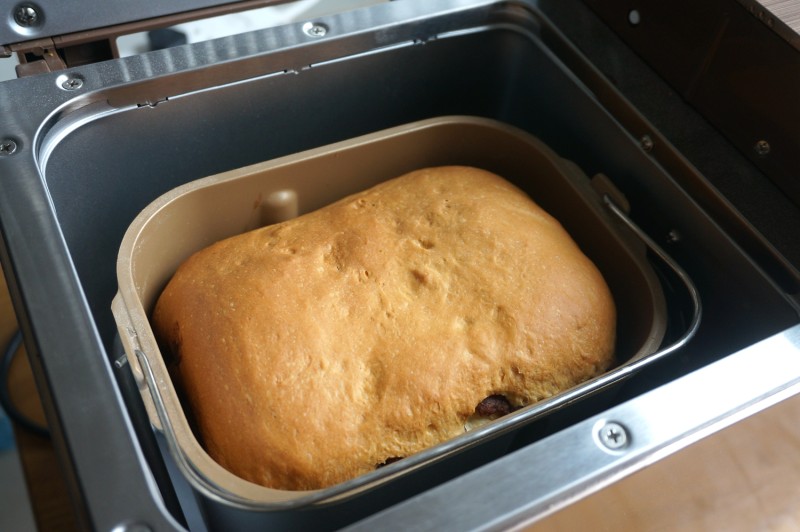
315,349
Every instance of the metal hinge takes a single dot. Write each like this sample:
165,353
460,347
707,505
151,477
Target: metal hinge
48,55
66,51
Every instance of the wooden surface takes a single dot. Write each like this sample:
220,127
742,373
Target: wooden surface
787,11
50,502
741,479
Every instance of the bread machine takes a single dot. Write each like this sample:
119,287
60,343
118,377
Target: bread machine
687,114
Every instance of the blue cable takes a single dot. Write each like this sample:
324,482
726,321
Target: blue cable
5,397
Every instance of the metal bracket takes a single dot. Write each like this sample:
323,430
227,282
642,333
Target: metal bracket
60,52
48,55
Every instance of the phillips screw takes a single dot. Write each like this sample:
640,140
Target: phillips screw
7,147
26,16
72,84
613,436
315,29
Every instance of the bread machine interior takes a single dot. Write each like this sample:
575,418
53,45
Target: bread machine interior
140,126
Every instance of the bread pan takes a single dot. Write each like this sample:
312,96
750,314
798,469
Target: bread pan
199,213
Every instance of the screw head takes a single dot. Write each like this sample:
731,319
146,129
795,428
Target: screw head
762,148
7,147
613,436
70,83
673,236
646,143
315,29
26,15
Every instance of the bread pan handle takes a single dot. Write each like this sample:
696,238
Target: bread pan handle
130,343
691,289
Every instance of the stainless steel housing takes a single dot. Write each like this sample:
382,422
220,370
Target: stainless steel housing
87,160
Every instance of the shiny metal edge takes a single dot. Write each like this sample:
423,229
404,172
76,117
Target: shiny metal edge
548,475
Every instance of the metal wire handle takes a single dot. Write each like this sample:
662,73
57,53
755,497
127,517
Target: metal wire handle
697,313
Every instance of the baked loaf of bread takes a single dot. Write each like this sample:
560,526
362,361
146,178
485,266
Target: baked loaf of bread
315,350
